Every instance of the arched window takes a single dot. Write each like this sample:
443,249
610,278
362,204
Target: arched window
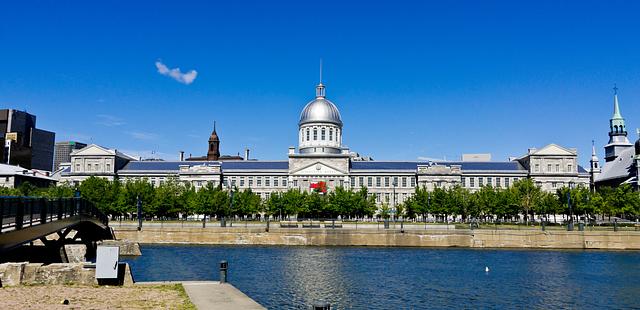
315,134
615,128
322,136
330,134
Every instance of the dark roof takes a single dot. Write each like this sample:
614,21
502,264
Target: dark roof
162,165
581,170
492,166
384,165
229,165
406,165
255,165
355,165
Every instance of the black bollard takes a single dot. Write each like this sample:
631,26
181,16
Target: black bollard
615,225
139,207
321,305
223,271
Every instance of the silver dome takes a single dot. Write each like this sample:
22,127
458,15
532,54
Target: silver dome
320,110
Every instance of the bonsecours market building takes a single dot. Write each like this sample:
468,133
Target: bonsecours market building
321,157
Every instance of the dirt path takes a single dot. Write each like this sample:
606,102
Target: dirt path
87,297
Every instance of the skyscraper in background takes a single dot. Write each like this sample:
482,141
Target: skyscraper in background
62,152
24,144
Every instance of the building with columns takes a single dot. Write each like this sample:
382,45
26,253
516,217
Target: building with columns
322,157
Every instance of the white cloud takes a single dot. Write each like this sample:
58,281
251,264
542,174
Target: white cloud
176,74
425,158
109,120
147,154
139,135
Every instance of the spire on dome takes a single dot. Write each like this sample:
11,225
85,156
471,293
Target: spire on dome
320,91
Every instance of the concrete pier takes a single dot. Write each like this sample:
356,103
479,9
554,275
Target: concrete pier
212,295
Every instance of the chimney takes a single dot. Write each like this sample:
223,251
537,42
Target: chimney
181,156
246,154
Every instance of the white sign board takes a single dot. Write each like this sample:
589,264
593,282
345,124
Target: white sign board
107,262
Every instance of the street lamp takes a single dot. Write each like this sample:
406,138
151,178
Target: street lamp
394,197
570,225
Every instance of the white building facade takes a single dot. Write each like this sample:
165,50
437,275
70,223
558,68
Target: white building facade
321,157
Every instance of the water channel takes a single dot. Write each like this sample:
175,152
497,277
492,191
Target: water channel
406,278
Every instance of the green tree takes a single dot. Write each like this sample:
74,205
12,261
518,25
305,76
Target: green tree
101,192
528,194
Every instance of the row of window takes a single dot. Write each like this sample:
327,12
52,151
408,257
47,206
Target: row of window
488,181
259,181
388,198
323,134
93,167
383,182
551,166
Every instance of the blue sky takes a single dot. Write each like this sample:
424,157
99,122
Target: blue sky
411,79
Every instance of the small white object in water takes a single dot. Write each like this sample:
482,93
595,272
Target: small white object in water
486,269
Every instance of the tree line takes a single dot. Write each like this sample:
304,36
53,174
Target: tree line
520,202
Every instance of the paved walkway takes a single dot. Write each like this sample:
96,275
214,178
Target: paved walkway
213,295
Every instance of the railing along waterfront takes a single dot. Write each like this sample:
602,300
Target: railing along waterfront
361,224
18,213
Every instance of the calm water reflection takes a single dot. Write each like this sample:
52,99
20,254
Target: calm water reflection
406,278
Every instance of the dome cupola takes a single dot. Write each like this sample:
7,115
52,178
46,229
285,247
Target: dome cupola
320,110
320,126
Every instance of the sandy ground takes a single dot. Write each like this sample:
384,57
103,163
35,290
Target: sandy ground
87,297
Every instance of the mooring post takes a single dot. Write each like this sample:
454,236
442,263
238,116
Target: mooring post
223,271
139,206
321,305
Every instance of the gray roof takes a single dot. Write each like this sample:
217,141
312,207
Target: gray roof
508,166
228,165
255,165
162,165
621,167
505,166
385,165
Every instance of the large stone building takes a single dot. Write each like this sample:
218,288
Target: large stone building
621,159
321,157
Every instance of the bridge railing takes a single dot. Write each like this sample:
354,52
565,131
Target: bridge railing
20,212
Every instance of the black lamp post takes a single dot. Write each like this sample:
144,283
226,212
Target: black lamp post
570,225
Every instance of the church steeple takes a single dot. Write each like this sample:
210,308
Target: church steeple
617,125
595,165
618,140
214,145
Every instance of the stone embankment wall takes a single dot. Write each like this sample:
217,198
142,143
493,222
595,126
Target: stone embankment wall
127,248
25,273
346,237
